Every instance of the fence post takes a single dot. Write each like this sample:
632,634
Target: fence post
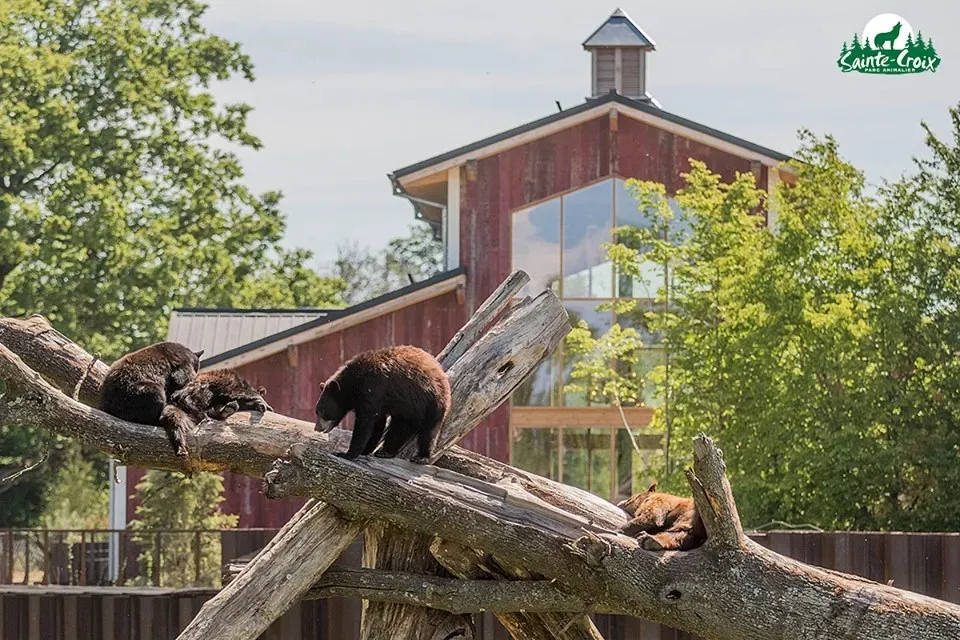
83,558
46,556
196,558
156,561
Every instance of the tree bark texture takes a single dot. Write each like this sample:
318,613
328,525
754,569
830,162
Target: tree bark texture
284,570
526,623
446,594
729,589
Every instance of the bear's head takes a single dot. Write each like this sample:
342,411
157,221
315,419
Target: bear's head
632,504
251,399
329,409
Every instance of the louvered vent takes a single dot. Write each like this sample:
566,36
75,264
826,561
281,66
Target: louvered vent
606,71
631,61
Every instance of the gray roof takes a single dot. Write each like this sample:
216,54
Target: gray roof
322,316
641,105
217,331
619,31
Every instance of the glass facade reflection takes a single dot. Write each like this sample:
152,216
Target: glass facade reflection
559,242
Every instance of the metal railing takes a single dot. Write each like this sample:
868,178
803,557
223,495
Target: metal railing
117,557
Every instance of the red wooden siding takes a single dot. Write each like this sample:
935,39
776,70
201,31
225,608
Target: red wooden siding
560,162
563,161
291,379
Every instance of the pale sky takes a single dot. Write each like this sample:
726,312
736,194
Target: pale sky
348,91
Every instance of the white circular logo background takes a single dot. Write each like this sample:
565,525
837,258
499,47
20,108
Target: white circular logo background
883,23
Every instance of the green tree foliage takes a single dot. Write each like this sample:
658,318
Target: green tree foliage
170,500
119,196
825,358
77,497
367,274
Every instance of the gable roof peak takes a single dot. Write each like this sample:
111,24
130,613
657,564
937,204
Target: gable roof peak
619,31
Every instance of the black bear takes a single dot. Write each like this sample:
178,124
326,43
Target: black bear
137,385
405,383
219,394
661,521
216,394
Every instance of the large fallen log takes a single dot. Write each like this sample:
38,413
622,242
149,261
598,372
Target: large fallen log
490,368
247,445
446,594
730,589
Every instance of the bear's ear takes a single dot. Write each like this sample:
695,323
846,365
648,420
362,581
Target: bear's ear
199,353
652,488
321,387
262,391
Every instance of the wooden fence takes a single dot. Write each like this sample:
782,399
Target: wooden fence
925,563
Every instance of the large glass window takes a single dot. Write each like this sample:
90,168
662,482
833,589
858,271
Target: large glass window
559,242
587,224
536,246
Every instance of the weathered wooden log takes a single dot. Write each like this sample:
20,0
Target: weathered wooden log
248,444
719,591
54,356
446,594
284,570
526,623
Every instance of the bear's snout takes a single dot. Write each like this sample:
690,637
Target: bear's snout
324,426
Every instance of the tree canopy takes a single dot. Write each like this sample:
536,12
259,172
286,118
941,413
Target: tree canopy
824,357
120,197
368,274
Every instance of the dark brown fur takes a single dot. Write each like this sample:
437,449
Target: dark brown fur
662,521
216,394
405,383
137,385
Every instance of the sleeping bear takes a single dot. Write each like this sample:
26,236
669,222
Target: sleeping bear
661,521
405,383
216,394
138,385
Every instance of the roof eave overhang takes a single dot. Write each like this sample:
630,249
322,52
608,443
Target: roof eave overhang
350,317
592,108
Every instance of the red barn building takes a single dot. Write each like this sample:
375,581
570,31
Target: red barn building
542,197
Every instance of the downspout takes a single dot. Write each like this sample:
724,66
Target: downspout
399,191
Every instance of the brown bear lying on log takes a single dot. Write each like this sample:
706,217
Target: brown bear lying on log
661,521
159,386
216,394
405,383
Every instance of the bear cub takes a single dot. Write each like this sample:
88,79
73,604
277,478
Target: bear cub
405,383
217,394
662,521
138,385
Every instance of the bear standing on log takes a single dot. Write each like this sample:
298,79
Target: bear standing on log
138,385
405,383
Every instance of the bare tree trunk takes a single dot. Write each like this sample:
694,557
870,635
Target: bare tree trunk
728,589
